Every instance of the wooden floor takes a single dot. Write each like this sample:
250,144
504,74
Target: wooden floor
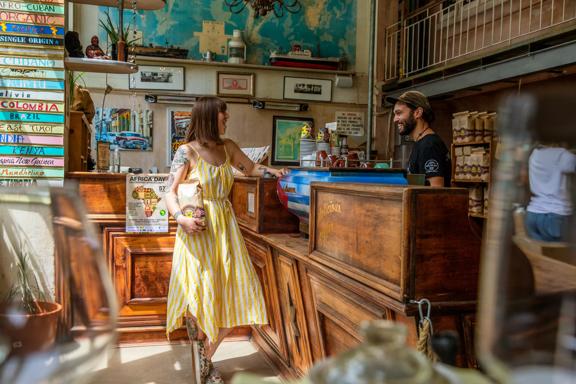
170,364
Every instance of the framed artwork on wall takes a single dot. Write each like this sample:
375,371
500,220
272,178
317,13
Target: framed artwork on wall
158,77
286,139
179,121
302,88
130,130
235,84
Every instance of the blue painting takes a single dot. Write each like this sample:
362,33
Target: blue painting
325,27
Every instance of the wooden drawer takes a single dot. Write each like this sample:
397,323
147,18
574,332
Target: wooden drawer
258,208
406,242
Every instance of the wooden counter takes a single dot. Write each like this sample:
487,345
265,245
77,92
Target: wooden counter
372,251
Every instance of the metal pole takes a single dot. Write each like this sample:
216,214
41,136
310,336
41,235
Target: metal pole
371,79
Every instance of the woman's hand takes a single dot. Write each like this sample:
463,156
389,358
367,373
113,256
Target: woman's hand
278,172
190,225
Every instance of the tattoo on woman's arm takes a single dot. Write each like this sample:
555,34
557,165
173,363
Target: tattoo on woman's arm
180,160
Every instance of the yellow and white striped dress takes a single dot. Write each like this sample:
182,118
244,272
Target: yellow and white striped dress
212,274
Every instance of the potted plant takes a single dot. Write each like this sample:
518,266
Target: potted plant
26,317
114,35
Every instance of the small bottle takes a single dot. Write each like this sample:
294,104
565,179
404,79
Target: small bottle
236,48
115,158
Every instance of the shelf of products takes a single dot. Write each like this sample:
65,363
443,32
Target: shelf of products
153,59
99,65
472,153
147,5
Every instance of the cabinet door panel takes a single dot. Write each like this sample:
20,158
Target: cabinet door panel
273,332
338,313
141,269
293,314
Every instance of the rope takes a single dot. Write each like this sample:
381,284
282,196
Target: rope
425,338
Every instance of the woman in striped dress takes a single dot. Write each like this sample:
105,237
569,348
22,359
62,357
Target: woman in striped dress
213,283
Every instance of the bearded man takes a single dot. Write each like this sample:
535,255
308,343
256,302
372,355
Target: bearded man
413,117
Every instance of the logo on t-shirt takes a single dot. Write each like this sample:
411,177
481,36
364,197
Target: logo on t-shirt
431,166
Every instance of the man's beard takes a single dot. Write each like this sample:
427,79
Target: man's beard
409,125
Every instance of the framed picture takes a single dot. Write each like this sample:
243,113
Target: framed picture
179,121
235,84
302,88
286,139
160,77
127,129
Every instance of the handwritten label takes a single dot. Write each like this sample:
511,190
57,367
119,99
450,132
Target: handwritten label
34,84
350,123
32,72
32,7
32,161
31,95
31,182
31,172
31,151
31,18
31,106
31,40
31,62
31,128
34,117
7,138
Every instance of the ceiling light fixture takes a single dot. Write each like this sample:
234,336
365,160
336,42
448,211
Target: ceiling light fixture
262,7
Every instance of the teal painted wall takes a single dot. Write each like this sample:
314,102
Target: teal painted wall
326,27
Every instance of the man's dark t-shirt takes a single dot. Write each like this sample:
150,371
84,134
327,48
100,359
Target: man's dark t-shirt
430,157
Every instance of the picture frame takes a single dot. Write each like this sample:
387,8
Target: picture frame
235,84
286,131
179,120
303,88
158,77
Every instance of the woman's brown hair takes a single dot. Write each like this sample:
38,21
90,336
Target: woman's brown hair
204,125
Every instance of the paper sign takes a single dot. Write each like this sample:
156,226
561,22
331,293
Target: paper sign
350,123
146,210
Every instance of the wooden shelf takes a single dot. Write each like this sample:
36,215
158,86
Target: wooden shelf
471,143
152,59
99,66
147,5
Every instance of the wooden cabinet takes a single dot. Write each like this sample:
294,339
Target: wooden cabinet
78,142
406,242
258,208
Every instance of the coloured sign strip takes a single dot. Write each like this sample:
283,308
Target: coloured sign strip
31,172
31,95
31,29
32,161
24,150
47,129
16,138
31,18
33,84
32,73
28,106
31,62
32,117
32,7
31,92
31,182
44,42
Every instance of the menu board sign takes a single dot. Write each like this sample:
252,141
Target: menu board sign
350,123
32,92
145,204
